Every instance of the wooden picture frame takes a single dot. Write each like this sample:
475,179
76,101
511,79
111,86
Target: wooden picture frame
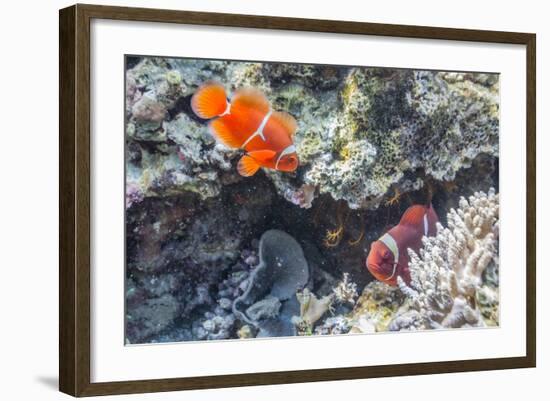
75,207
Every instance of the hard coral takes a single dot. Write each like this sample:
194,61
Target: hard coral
446,277
361,131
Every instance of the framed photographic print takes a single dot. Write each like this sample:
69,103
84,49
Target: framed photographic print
297,200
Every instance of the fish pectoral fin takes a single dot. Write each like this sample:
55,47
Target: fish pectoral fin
247,166
220,130
287,121
209,101
263,155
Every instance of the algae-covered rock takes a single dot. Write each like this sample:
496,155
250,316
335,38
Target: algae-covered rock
151,317
363,132
391,123
376,307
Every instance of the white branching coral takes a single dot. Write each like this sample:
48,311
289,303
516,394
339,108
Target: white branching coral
447,275
346,290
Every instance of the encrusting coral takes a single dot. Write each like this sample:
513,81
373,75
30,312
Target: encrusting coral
448,274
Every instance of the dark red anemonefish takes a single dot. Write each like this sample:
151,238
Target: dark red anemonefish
248,122
388,257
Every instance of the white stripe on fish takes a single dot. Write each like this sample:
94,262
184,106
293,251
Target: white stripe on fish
426,224
260,130
287,151
389,241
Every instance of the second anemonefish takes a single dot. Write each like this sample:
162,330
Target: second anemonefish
249,123
388,257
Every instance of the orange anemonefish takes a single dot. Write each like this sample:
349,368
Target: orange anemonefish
388,257
249,123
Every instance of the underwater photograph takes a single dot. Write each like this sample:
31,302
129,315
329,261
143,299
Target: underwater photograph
268,199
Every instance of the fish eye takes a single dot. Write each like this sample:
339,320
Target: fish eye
386,255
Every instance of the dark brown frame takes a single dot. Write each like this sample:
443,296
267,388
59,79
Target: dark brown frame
74,199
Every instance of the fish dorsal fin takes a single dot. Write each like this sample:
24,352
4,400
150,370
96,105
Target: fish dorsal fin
209,100
247,166
286,120
220,130
250,98
414,216
262,155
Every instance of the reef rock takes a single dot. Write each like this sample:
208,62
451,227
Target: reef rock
391,123
362,132
375,308
151,317
193,252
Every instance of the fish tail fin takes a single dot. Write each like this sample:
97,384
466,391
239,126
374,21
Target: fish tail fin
220,129
247,166
209,101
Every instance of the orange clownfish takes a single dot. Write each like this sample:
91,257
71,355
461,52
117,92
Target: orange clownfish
248,122
388,257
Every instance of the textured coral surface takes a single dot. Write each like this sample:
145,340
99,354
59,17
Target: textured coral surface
362,131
